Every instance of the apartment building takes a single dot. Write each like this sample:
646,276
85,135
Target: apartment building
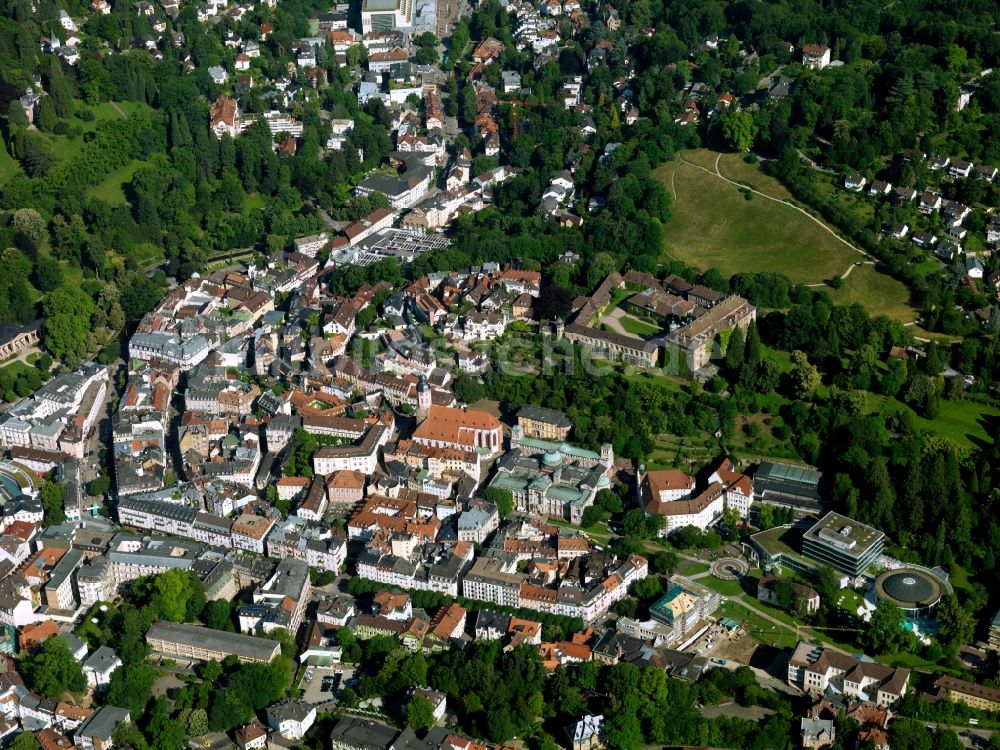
815,668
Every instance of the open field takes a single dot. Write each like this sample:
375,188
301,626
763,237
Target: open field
112,188
713,225
66,147
878,293
966,422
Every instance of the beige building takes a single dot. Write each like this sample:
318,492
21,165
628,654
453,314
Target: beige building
547,424
969,693
202,644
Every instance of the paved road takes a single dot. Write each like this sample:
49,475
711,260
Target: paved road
968,736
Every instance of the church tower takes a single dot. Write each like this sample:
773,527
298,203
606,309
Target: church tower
423,398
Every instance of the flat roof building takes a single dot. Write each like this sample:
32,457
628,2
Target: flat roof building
787,485
202,644
843,543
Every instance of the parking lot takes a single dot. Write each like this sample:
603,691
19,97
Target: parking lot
323,684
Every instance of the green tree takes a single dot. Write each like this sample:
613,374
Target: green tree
197,722
664,562
766,513
735,349
25,740
218,615
131,687
30,223
499,497
752,356
468,104
634,523
99,486
591,515
45,114
68,310
175,595
804,377
648,588
419,714
956,627
739,130
609,501
52,495
16,118
884,634
600,266
52,670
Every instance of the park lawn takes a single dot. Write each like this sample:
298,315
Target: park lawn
675,452
713,225
618,296
965,422
689,568
16,367
735,168
65,147
777,614
254,201
850,600
958,577
9,166
669,382
726,588
876,292
112,188
927,266
638,327
757,627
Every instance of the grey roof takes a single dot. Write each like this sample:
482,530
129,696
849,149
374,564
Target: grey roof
541,414
66,565
103,659
295,710
103,722
72,642
363,734
160,508
472,519
215,640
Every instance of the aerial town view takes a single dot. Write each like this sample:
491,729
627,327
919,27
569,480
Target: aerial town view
499,374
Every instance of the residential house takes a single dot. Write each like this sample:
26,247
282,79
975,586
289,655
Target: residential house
815,56
292,718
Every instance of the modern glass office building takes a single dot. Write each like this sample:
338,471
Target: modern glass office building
843,543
